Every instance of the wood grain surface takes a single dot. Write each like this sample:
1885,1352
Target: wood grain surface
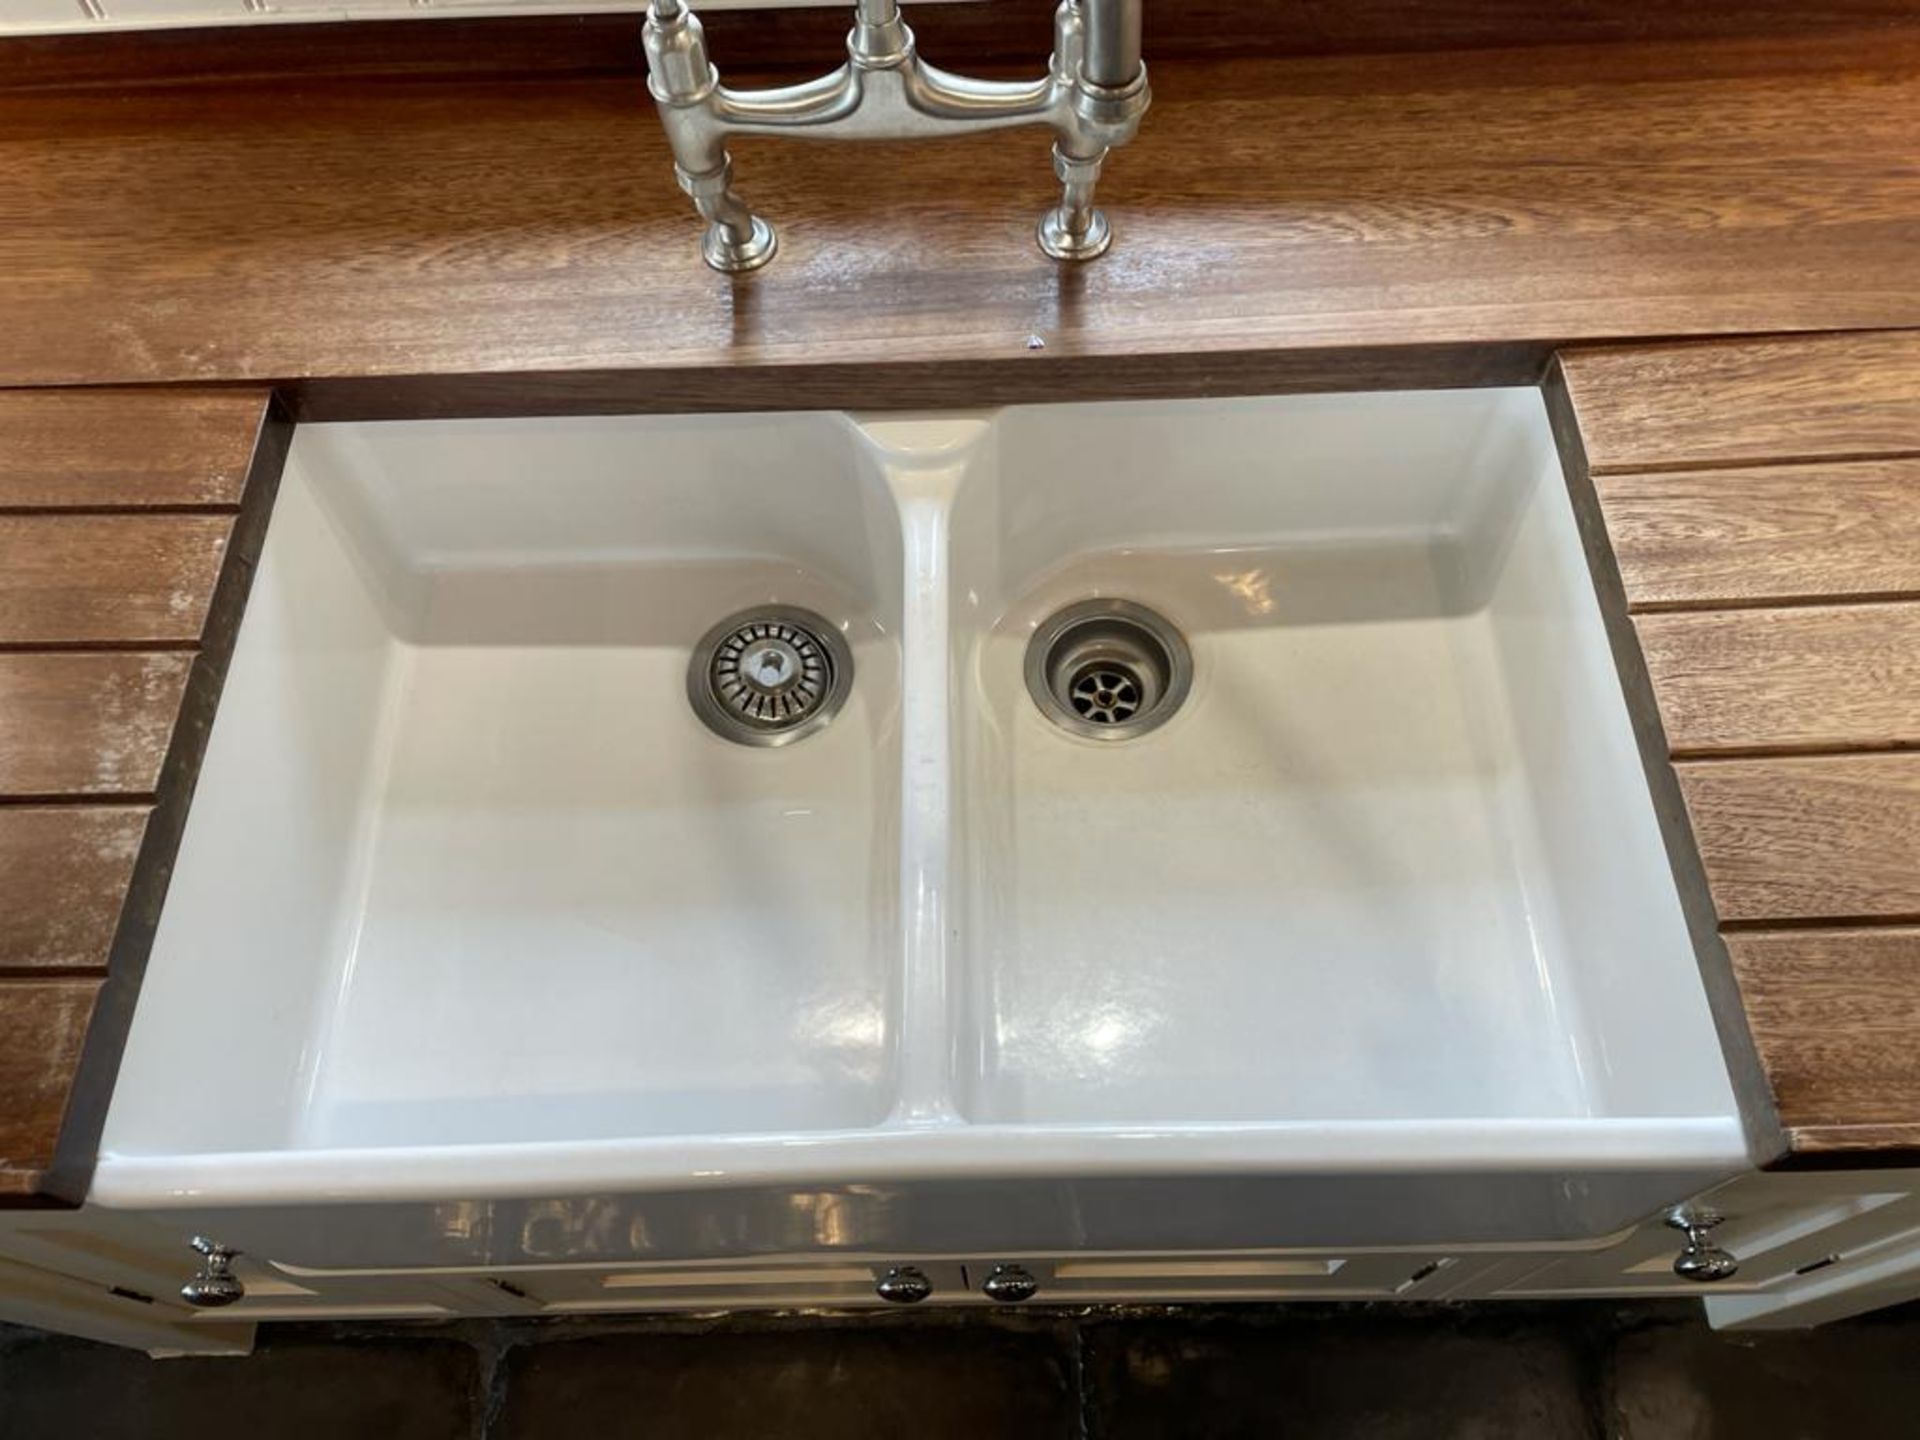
115,579
43,1024
1500,200
1841,1012
1772,533
1760,502
118,449
1809,398
64,871
118,516
1833,837
87,724
1828,677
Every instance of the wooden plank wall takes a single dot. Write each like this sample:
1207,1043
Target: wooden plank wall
1762,500
118,513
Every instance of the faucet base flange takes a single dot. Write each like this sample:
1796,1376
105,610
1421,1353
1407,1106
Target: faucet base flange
1063,244
735,257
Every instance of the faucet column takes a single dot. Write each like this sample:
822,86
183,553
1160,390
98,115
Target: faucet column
879,37
1076,229
683,82
1093,40
1113,43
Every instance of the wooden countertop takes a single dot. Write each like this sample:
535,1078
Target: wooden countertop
1761,502
128,525
514,244
409,245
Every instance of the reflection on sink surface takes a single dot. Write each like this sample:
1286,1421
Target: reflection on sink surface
498,916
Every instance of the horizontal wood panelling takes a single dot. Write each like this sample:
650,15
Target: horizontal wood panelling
1820,677
1659,407
1787,532
1836,1014
1497,199
87,724
63,876
116,579
43,1024
1824,1065
1852,1147
125,448
1826,838
1761,500
82,880
96,722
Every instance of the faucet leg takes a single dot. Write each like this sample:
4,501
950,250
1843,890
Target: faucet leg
682,82
737,240
1076,229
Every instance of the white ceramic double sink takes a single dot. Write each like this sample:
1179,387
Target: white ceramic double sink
471,904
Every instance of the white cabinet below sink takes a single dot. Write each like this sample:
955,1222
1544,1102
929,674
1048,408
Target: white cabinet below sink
1810,1247
1793,1234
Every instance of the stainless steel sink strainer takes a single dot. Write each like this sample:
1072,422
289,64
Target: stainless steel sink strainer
1108,669
769,676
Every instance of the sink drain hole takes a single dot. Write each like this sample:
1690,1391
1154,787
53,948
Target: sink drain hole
769,676
1105,694
1108,669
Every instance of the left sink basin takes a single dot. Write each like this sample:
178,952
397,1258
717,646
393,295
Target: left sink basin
462,847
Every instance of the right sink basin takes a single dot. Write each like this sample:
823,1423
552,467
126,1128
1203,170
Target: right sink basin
1390,859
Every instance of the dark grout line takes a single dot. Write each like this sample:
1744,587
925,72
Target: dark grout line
1742,604
1083,1427
491,1351
1752,462
1598,1336
1783,924
116,512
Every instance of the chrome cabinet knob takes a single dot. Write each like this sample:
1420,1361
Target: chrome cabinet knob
214,1284
1009,1284
1700,1260
904,1285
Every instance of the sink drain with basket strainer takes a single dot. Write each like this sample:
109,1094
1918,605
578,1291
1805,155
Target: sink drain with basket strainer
769,676
1108,669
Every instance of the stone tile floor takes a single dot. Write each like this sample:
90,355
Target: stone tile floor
1476,1372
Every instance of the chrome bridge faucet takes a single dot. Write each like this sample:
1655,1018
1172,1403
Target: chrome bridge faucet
1092,97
